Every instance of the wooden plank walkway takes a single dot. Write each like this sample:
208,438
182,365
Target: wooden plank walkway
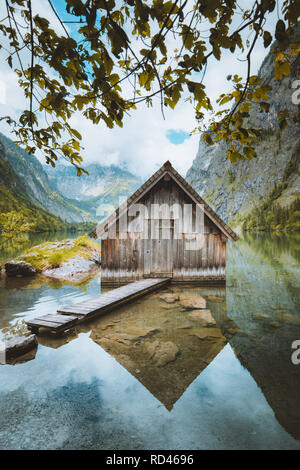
69,316
55,323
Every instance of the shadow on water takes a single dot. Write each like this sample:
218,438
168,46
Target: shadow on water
219,385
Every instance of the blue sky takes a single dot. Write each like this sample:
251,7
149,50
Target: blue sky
177,136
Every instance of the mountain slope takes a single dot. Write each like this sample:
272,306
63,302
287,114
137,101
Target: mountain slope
37,186
97,193
235,190
15,201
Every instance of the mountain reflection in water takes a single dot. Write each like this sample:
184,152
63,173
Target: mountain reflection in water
199,374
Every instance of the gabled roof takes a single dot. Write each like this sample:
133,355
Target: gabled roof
167,168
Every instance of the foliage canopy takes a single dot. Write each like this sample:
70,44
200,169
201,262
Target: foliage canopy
122,53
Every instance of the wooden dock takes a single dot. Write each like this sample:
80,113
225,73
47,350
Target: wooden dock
69,316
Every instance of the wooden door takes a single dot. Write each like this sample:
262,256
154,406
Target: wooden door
162,248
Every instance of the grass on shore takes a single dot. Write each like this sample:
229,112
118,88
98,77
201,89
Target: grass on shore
50,255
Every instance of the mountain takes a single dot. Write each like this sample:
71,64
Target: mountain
59,191
36,184
256,193
16,203
97,193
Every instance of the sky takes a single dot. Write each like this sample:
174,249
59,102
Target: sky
147,139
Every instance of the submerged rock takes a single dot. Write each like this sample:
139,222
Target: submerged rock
113,343
169,298
16,347
275,324
215,298
162,352
261,316
191,302
233,331
208,334
138,332
290,319
203,317
121,341
19,268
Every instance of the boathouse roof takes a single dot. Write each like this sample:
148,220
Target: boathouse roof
167,168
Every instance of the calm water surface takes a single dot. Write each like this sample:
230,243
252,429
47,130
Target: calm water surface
100,386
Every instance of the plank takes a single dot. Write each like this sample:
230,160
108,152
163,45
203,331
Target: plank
58,318
113,297
89,308
40,323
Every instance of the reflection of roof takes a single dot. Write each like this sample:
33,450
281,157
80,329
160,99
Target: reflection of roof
169,382
167,168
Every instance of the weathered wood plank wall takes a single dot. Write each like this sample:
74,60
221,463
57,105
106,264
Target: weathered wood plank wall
130,256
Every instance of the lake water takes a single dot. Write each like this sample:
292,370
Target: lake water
100,387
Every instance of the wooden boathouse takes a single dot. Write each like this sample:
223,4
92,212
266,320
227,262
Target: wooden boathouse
165,229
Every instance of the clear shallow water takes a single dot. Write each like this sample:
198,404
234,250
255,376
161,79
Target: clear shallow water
99,387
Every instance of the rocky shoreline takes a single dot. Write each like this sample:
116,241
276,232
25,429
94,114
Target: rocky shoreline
66,260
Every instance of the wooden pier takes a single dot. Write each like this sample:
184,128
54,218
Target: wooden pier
69,316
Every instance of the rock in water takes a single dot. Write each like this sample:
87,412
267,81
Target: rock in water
169,298
19,268
17,346
261,316
202,317
191,302
120,341
162,352
215,298
208,334
291,319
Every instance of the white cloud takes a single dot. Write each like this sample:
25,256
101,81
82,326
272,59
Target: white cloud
142,143
2,92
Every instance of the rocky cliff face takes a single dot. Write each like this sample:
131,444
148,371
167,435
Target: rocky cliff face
16,199
235,189
27,169
60,191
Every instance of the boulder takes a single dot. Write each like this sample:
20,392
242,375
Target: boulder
202,317
169,298
16,347
191,302
162,353
74,269
19,268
